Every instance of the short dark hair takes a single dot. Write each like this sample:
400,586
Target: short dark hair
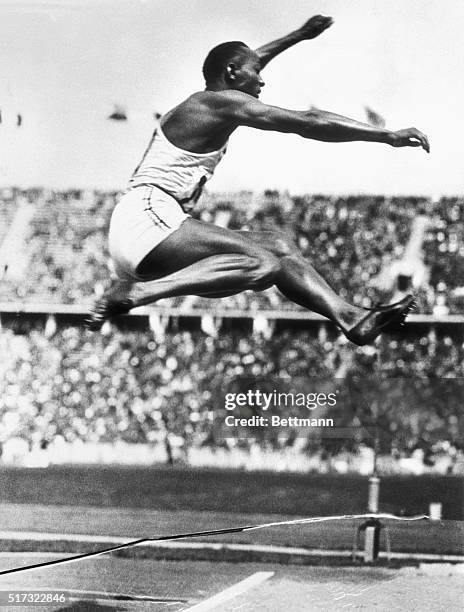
218,58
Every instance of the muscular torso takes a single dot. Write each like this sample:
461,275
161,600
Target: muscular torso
198,124
187,146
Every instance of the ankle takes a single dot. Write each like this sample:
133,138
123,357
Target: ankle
349,317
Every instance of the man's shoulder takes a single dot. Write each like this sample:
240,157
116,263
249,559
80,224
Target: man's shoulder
219,99
225,106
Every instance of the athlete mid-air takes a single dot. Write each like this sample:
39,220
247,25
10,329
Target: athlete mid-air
153,238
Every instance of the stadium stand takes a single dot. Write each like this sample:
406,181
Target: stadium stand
351,241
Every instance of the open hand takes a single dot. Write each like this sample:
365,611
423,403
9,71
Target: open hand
410,137
315,26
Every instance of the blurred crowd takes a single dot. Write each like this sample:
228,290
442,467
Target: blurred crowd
169,390
357,243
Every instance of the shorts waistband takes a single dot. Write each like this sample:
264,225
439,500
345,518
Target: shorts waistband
154,185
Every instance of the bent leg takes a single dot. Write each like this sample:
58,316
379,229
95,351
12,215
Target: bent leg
201,258
194,241
217,275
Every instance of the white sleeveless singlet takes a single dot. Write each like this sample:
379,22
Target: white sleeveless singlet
178,172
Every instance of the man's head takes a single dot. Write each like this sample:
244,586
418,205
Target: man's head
233,65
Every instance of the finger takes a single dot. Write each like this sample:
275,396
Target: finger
426,144
422,138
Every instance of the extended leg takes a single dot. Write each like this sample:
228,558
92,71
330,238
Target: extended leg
302,284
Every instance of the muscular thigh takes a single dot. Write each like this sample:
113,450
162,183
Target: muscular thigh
275,242
194,241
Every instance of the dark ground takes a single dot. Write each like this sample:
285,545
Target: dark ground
177,488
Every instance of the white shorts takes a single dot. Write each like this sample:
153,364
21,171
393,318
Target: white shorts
143,218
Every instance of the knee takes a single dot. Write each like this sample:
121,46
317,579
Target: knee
263,272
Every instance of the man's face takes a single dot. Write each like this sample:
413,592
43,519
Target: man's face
247,77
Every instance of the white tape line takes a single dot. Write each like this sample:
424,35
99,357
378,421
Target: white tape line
214,602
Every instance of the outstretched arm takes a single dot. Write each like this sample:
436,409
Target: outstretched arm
243,109
336,128
312,28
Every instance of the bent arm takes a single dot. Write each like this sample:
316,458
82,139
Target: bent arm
312,28
317,124
269,51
